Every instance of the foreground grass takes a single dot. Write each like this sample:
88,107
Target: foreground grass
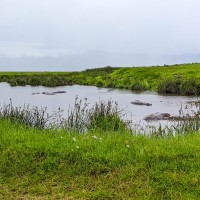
52,164
175,79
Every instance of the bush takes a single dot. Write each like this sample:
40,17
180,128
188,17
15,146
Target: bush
53,81
34,81
13,82
137,86
170,86
190,87
4,78
21,81
179,86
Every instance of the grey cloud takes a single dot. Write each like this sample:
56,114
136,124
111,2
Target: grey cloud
120,26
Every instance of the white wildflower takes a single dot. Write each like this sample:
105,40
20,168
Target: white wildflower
74,139
77,147
128,146
95,137
61,137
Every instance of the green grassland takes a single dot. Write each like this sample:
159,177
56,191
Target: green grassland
175,79
55,164
93,154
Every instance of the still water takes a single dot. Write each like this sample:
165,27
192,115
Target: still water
24,95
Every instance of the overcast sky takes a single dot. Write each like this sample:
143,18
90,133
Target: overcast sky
65,27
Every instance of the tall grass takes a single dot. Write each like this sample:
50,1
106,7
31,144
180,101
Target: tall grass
29,116
104,116
188,120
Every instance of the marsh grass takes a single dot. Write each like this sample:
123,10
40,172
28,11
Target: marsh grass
29,116
106,116
186,122
102,116
179,86
181,79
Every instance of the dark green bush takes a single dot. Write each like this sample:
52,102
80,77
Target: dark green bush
190,87
179,86
34,81
53,81
4,78
169,86
110,84
99,83
21,81
12,82
137,86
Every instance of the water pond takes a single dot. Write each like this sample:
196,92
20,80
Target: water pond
160,103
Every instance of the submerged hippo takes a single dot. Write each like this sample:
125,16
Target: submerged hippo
157,116
137,102
48,93
53,93
59,92
35,93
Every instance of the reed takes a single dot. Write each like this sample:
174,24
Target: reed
29,116
187,122
105,116
102,117
82,117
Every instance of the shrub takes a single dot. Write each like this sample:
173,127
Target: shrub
13,82
179,86
190,87
53,81
4,78
21,81
137,86
34,81
99,83
170,86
